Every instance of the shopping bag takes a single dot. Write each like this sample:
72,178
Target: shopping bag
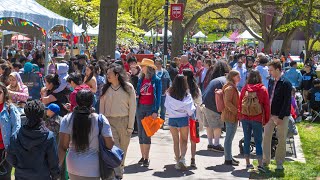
151,126
194,130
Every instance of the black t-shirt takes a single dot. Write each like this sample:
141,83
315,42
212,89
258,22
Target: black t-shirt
307,79
208,96
62,99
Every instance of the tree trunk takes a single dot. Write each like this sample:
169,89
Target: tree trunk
107,28
287,41
177,39
267,46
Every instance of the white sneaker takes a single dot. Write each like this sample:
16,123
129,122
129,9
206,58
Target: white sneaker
177,166
182,164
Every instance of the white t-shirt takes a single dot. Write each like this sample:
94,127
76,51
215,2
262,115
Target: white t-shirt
85,163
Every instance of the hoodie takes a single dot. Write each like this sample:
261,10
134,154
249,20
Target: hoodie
33,153
62,71
263,97
177,109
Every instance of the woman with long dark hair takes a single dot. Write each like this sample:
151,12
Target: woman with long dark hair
10,123
118,104
149,91
90,79
48,96
180,107
197,99
4,73
79,133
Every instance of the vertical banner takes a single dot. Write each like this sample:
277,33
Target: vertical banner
176,12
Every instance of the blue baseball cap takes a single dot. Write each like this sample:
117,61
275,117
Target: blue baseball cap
54,108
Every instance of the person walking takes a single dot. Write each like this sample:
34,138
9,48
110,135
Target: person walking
280,99
10,123
230,114
212,118
243,73
196,95
165,82
149,91
253,123
293,75
118,104
79,133
263,70
75,81
180,107
33,150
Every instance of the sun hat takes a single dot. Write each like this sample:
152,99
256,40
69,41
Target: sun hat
54,108
147,62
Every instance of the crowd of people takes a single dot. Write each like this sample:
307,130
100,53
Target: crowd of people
49,124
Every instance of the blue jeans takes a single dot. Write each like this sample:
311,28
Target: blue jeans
231,129
142,112
163,109
250,127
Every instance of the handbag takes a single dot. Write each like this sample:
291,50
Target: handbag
194,130
151,126
108,158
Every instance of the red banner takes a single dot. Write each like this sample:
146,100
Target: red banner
176,12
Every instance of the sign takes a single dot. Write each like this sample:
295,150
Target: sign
176,12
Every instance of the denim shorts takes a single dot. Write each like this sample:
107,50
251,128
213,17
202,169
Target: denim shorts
179,122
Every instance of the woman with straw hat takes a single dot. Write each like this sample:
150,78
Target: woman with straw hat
148,102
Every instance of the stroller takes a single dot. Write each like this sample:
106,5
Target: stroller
274,143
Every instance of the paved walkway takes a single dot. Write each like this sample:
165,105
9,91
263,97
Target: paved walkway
209,163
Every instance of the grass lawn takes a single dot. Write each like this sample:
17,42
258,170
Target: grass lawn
310,139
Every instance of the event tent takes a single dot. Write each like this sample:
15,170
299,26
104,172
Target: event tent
199,35
246,35
93,31
20,37
153,33
36,15
224,39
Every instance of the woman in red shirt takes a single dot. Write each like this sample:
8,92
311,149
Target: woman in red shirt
149,92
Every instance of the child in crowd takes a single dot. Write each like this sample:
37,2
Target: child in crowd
53,120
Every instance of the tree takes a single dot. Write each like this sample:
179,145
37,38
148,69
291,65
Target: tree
107,28
179,29
127,32
144,12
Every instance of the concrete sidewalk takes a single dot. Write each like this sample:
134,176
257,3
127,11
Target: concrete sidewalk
209,163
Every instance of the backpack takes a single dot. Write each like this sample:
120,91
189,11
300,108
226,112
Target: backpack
250,104
219,100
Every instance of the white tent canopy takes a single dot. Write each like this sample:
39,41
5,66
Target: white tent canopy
199,35
77,30
224,39
153,33
31,11
93,31
246,35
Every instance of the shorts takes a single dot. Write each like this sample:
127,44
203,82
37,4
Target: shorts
212,119
179,122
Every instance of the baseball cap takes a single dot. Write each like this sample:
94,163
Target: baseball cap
54,108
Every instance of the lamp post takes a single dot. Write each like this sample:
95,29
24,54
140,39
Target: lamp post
157,28
165,40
